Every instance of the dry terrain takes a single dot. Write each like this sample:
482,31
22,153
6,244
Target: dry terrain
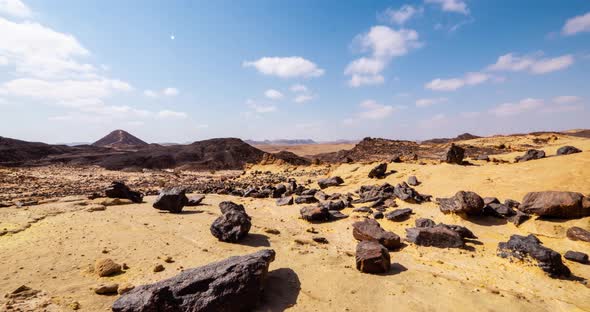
57,242
306,150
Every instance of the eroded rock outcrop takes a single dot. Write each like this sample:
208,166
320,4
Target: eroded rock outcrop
528,248
556,204
233,284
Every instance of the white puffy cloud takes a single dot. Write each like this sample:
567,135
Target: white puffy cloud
430,101
401,15
298,88
383,44
63,90
150,93
15,8
170,91
509,109
452,84
302,98
576,25
531,63
273,94
457,6
374,110
171,114
286,67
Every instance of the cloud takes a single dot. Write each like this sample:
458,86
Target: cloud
383,44
509,109
576,25
456,6
531,63
150,93
303,98
273,94
63,90
298,88
170,91
566,99
452,84
171,114
15,8
430,102
286,67
374,110
400,16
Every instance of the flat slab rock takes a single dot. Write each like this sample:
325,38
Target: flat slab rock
556,204
332,181
233,284
530,248
371,230
427,233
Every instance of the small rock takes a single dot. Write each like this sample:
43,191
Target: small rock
106,289
159,268
566,150
363,209
576,256
413,181
319,239
120,190
378,215
332,181
531,155
284,201
436,236
521,247
315,213
468,203
556,204
195,200
124,288
233,225
370,229
378,172
306,199
454,155
372,257
106,267
399,214
272,231
424,222
171,199
577,233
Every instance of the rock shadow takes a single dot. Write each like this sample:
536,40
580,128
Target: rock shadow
487,220
281,290
255,240
395,269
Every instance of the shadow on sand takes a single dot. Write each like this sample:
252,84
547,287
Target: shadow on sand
255,240
281,290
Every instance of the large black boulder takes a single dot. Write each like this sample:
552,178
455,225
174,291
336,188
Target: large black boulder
332,181
531,155
233,284
233,225
566,150
378,172
171,199
454,155
120,190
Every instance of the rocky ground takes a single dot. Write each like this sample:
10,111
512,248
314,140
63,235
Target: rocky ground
52,246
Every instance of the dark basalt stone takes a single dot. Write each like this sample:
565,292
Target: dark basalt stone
404,192
566,150
468,203
454,155
370,229
399,214
315,214
378,172
332,181
424,222
232,226
372,257
233,284
195,200
306,199
284,201
120,190
334,204
556,204
577,233
576,256
531,155
530,247
436,236
171,199
227,206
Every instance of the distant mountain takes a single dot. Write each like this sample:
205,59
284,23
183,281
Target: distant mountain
119,139
460,137
281,142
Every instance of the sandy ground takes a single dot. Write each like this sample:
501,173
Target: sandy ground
55,254
306,149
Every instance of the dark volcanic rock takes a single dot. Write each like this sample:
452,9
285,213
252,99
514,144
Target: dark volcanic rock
315,214
363,209
378,215
454,155
227,206
372,257
424,222
279,190
233,284
404,192
195,200
436,236
576,256
413,181
171,199
370,229
119,139
519,218
566,150
306,199
531,155
530,247
556,204
498,210
120,190
232,226
399,214
576,233
334,204
332,181
284,201
336,215
378,172
468,203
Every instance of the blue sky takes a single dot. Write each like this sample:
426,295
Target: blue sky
179,71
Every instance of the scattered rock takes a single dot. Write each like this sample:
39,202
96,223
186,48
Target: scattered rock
483,157
315,214
106,289
106,267
158,268
372,257
566,150
272,231
233,225
120,190
285,201
519,218
576,256
370,229
336,215
123,288
233,284
531,155
171,199
378,172
436,236
378,215
468,203
399,214
195,200
556,204
424,222
530,247
320,240
93,208
279,190
404,192
363,209
306,199
332,181
413,181
576,233
334,204
454,155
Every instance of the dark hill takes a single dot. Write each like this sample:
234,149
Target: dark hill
460,137
119,139
12,150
